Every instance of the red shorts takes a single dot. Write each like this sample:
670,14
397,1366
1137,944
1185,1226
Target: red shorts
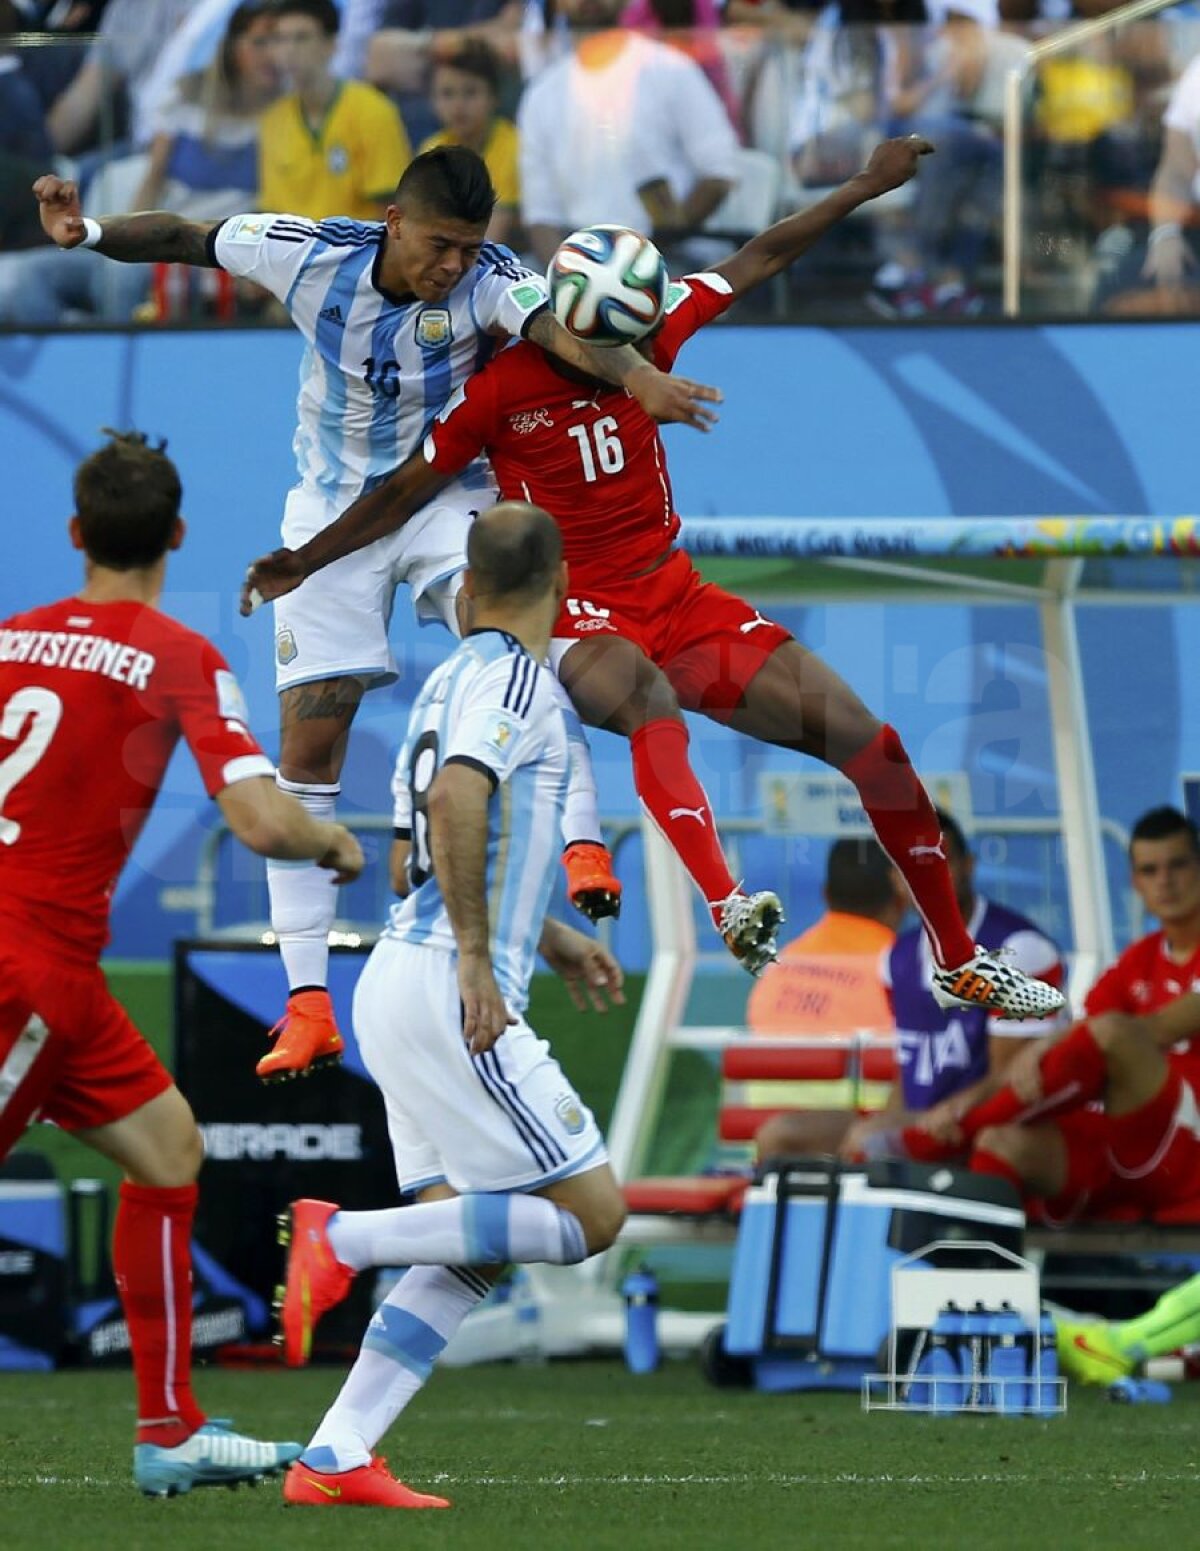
1134,1164
708,642
68,1050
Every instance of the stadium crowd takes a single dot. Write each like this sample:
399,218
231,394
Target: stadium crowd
694,120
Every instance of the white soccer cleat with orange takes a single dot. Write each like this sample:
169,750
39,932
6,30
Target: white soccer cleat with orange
748,923
1002,989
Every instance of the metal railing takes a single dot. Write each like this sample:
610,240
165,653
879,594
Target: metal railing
1014,126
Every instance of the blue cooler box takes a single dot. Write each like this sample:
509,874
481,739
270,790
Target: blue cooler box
810,1293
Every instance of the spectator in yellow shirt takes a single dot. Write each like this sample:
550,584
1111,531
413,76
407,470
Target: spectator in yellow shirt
465,93
329,147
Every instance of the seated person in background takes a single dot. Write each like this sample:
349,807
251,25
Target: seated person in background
329,147
115,72
466,96
827,980
1135,1053
202,165
623,129
693,27
948,1060
24,140
1162,274
395,44
957,98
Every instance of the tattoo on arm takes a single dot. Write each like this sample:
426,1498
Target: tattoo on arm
613,366
156,237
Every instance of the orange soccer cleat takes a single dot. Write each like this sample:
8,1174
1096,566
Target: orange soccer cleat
370,1486
592,887
306,1038
316,1278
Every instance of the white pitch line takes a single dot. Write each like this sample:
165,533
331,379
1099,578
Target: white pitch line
841,1478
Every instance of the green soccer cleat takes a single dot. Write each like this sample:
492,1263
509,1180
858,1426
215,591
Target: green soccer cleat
1089,1353
213,1456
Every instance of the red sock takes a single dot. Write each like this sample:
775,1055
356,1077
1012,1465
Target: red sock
153,1265
984,1162
677,803
908,830
1074,1072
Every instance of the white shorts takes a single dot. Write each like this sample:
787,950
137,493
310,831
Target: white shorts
335,624
506,1120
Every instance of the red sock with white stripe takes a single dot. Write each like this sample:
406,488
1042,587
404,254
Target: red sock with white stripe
152,1261
1074,1072
678,804
907,827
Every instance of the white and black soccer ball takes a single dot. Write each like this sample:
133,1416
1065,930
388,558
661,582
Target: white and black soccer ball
608,285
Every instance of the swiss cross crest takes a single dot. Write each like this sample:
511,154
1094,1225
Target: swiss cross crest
529,420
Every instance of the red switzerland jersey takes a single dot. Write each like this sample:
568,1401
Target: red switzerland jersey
591,457
1144,979
93,699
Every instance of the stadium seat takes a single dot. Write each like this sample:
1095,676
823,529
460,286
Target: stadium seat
751,203
853,1057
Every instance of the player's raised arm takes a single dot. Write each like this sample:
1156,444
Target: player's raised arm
663,397
892,163
147,237
375,514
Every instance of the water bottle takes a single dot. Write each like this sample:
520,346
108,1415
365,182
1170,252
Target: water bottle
641,1320
973,1356
1045,1351
1006,1362
528,1317
1139,1392
945,1343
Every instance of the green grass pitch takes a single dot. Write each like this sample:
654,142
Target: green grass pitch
588,1456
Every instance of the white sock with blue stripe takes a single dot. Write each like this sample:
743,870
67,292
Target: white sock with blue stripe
581,806
470,1230
403,1341
304,897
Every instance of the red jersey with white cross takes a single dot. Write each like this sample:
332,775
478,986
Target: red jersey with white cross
590,456
93,699
1143,979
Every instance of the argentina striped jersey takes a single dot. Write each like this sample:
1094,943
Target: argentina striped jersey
378,368
491,706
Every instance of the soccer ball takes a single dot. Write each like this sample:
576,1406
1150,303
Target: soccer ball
608,285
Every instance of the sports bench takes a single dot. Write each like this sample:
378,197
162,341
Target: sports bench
704,1208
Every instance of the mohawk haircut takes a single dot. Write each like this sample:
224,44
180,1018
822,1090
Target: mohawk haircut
449,181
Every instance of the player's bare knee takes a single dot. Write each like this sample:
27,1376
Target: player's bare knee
1011,1144
1119,1036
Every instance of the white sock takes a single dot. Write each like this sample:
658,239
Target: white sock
470,1230
304,898
404,1339
581,810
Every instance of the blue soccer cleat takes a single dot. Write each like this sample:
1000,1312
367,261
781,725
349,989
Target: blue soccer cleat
213,1456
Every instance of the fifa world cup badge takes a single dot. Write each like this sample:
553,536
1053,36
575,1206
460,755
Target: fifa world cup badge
433,328
285,647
